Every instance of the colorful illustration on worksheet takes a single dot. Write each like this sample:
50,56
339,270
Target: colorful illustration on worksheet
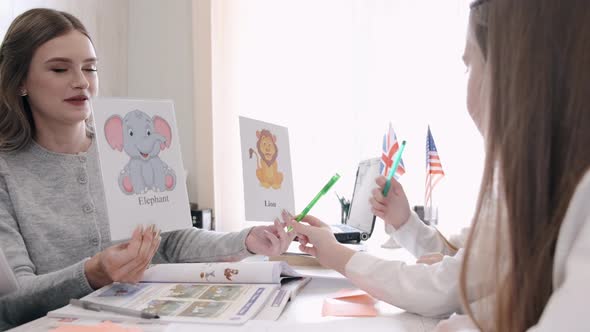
206,275
229,273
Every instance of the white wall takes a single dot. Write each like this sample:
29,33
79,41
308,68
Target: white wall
106,21
146,49
160,53
202,99
335,72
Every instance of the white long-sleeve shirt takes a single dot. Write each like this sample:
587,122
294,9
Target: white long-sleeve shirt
420,239
428,290
567,308
433,290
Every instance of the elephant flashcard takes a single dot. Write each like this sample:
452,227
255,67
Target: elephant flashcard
141,165
266,165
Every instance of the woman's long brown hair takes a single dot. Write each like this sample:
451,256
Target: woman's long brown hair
537,140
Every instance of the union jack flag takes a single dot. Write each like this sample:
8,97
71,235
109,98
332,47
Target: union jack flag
390,147
434,171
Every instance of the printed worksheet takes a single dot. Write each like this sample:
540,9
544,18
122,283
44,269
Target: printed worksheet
179,302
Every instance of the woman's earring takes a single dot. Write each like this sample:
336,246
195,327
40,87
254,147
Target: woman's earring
23,92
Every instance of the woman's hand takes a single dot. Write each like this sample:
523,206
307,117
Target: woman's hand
270,240
430,258
124,262
316,238
394,208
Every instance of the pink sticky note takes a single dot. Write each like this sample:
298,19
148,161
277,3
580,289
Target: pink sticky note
350,303
354,295
102,327
333,307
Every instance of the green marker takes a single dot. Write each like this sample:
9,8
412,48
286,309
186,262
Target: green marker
398,158
315,199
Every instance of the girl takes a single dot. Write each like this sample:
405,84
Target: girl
537,160
429,290
533,266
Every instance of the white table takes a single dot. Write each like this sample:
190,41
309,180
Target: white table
306,310
304,313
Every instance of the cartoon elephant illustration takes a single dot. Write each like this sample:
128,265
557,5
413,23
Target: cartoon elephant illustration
142,137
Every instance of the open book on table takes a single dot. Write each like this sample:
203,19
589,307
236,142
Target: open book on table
219,293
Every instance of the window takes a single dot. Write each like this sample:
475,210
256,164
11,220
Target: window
336,72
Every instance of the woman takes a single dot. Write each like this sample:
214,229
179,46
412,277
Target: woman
533,268
53,222
429,290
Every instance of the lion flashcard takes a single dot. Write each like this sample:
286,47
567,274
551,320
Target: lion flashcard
266,166
141,165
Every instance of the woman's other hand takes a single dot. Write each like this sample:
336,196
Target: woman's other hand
270,240
124,262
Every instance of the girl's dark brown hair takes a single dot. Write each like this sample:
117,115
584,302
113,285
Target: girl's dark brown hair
25,35
537,140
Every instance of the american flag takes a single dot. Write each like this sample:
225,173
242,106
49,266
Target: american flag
390,147
434,171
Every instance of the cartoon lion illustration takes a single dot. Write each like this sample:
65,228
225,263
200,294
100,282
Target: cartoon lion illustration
229,273
266,160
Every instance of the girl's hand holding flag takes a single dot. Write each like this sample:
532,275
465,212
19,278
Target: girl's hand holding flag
394,208
390,148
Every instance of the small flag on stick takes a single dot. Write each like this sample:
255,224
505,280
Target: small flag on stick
434,170
390,147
